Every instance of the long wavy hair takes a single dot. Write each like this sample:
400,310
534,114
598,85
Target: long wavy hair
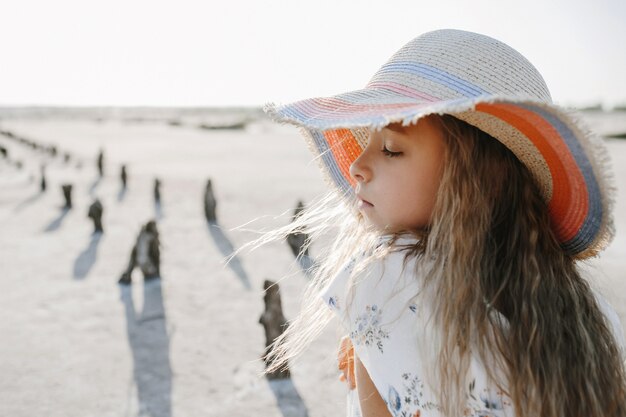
508,292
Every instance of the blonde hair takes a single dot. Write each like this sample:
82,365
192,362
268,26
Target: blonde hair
513,295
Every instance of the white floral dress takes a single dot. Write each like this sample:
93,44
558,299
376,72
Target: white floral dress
388,331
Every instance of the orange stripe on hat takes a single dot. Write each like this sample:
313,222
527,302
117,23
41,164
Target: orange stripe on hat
345,149
569,199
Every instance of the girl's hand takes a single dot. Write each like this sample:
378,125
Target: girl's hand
345,359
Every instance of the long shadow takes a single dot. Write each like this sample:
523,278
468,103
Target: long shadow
307,264
30,200
56,223
158,210
227,249
121,194
150,345
87,257
288,399
94,185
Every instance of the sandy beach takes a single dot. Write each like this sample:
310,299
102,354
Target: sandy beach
75,343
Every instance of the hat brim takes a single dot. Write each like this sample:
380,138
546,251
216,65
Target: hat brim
566,160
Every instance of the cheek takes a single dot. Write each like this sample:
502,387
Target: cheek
420,194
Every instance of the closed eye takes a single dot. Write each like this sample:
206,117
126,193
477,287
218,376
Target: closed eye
389,153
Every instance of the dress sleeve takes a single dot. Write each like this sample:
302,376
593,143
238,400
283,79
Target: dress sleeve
387,328
335,292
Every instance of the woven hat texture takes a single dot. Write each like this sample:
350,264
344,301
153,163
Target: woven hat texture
489,85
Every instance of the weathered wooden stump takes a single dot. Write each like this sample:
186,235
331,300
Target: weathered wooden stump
123,176
157,191
274,323
95,214
100,163
297,241
67,195
43,183
145,254
4,152
210,203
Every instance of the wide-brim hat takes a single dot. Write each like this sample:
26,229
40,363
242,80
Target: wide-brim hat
491,86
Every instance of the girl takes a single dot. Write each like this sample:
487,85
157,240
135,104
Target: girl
462,201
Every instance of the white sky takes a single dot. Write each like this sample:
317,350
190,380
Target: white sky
248,52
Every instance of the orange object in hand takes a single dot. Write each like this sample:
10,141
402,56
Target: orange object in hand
345,358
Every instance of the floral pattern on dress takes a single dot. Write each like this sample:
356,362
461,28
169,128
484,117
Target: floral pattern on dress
333,303
379,312
411,402
350,265
485,404
367,328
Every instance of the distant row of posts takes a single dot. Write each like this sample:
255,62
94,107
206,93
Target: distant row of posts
145,253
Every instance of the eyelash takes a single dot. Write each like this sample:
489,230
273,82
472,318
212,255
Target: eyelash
390,154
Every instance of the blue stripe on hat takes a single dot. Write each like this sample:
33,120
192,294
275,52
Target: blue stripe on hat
434,74
591,225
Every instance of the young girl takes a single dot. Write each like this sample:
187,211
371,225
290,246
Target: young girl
462,201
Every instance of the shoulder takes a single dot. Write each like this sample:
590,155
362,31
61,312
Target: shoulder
389,279
394,263
368,283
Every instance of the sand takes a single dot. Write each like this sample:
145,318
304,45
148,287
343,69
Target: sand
75,343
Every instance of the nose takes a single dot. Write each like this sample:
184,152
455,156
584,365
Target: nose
359,170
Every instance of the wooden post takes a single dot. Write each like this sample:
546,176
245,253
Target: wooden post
210,203
297,240
148,253
123,176
100,163
43,184
67,194
145,254
274,323
126,275
95,214
157,191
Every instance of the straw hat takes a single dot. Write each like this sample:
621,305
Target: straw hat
489,85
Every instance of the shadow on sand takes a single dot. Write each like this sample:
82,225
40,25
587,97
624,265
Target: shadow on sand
227,249
150,345
158,211
307,264
94,185
87,257
288,399
30,200
56,223
121,195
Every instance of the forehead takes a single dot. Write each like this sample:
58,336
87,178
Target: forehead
396,127
424,126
